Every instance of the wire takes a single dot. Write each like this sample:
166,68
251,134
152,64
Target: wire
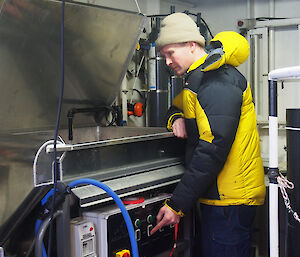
118,201
57,123
175,240
137,74
137,5
211,35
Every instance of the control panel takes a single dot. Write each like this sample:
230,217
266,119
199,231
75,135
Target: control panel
112,234
83,239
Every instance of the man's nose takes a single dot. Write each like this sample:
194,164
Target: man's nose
168,61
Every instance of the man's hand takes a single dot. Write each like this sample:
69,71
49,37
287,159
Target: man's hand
165,217
179,128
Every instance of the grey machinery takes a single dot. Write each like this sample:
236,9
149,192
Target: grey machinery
99,44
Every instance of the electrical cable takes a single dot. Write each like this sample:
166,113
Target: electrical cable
187,12
211,35
120,204
137,74
175,241
57,124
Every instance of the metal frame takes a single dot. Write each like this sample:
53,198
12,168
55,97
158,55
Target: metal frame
274,77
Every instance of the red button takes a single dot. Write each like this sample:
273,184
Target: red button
91,228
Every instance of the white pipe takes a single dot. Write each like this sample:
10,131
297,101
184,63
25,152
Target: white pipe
299,42
271,49
256,74
272,8
285,73
249,9
273,188
273,142
278,23
152,68
273,219
271,37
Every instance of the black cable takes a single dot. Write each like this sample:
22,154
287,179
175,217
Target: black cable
144,97
57,125
211,35
187,12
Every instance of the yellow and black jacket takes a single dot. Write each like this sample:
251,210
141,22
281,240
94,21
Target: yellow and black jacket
224,166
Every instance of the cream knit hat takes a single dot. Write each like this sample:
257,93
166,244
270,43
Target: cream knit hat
178,28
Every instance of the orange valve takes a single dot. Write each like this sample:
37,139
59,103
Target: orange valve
138,109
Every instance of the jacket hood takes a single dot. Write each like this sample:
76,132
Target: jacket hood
235,46
227,47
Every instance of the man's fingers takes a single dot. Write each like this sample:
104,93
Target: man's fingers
179,129
157,227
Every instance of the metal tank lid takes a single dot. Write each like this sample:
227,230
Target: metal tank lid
99,43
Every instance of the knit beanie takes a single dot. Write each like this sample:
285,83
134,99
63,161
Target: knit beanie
178,28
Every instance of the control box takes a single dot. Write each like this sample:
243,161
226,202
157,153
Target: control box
83,238
112,233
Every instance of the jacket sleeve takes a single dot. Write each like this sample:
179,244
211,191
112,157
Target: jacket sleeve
175,111
217,117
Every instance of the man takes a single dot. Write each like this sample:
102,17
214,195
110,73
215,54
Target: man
216,114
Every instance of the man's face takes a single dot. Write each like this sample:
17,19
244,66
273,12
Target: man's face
179,57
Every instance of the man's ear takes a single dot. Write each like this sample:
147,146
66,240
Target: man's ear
192,46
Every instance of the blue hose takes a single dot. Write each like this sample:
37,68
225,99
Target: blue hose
118,201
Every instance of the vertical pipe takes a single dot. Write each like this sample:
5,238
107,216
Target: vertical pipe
273,170
152,67
272,37
124,99
257,105
250,11
298,43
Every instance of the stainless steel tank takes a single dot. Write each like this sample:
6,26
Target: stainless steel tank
99,43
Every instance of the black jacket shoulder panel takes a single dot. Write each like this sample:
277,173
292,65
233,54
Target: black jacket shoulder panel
193,80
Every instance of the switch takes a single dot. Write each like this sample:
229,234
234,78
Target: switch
138,235
150,219
137,223
149,228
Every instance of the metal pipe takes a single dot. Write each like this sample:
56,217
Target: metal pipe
278,23
124,99
298,42
256,73
279,74
273,170
250,11
272,37
38,252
